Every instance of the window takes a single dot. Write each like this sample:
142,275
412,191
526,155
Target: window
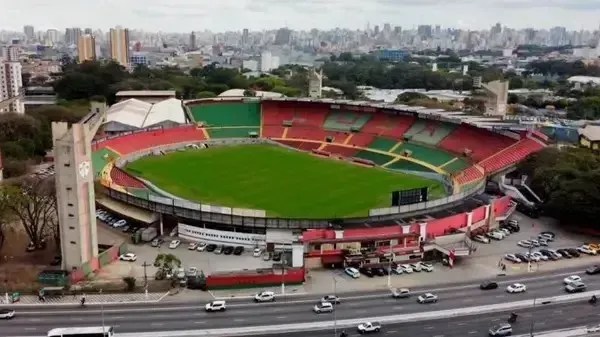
71,227
73,243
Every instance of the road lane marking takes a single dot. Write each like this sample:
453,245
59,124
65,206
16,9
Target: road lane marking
34,320
30,328
77,319
391,332
119,317
429,328
200,322
558,311
156,324
239,320
281,317
472,332
461,323
495,319
500,296
363,311
438,336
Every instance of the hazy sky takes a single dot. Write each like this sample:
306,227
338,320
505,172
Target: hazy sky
221,15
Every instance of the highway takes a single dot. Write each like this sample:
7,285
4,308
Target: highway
36,321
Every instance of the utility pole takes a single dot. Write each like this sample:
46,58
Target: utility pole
334,308
389,278
145,279
532,318
102,313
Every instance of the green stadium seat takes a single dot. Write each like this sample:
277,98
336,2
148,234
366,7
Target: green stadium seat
429,155
456,166
100,158
428,131
345,121
227,114
377,158
234,132
406,165
383,144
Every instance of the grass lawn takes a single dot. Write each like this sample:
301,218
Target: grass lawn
285,183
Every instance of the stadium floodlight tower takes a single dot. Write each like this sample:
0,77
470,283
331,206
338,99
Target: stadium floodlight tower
74,178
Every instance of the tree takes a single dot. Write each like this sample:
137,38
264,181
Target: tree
33,202
166,262
129,283
249,93
6,218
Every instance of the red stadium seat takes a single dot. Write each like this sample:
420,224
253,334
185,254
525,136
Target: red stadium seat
150,139
480,142
121,178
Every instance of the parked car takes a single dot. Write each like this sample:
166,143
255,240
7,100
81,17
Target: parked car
128,257
522,257
266,256
525,244
415,267
174,244
379,271
265,296
400,293
323,307
428,267
157,242
512,258
406,268
481,238
367,271
587,250
216,306
564,253
277,256
228,250
238,250
193,246
201,246
495,235
219,249
352,272
488,285
211,248
427,298
539,256
257,252
573,252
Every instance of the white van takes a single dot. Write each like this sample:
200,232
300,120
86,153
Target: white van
353,272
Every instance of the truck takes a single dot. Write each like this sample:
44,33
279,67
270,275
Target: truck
149,234
369,327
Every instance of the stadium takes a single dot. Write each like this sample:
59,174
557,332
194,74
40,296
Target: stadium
305,166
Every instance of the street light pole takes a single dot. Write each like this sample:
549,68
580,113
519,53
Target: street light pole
389,277
102,314
532,319
334,308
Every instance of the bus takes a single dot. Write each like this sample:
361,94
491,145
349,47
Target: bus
96,331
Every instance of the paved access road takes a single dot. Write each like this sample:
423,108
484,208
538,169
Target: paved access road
36,321
544,318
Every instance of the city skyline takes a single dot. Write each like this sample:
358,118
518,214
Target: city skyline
234,15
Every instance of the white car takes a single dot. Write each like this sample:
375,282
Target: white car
481,238
201,246
572,279
504,230
193,246
265,296
428,267
120,223
587,250
495,235
257,252
353,272
525,244
128,257
406,268
415,267
216,306
323,307
174,244
427,298
540,256
398,270
7,313
532,257
512,258
516,288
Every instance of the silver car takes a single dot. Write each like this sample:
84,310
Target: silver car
503,329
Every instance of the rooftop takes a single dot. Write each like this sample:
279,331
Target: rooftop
146,93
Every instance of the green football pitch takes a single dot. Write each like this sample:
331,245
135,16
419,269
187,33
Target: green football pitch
283,182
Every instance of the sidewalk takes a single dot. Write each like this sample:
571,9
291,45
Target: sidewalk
31,300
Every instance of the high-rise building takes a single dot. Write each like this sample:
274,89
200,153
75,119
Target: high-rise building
119,45
72,35
10,53
245,35
265,61
87,31
29,32
283,36
86,48
11,85
193,41
52,37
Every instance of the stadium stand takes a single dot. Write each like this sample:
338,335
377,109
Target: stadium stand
427,154
121,178
481,143
377,158
232,132
511,155
298,132
152,138
428,131
275,113
455,165
360,139
101,157
341,150
469,175
406,165
227,114
300,145
310,116
345,121
272,131
391,126
383,144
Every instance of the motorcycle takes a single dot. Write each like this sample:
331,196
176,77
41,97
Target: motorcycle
512,318
343,334
593,300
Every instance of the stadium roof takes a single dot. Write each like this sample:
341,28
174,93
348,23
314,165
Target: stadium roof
590,132
146,93
584,79
140,114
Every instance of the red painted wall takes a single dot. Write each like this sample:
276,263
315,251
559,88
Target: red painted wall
246,279
440,227
501,205
478,214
